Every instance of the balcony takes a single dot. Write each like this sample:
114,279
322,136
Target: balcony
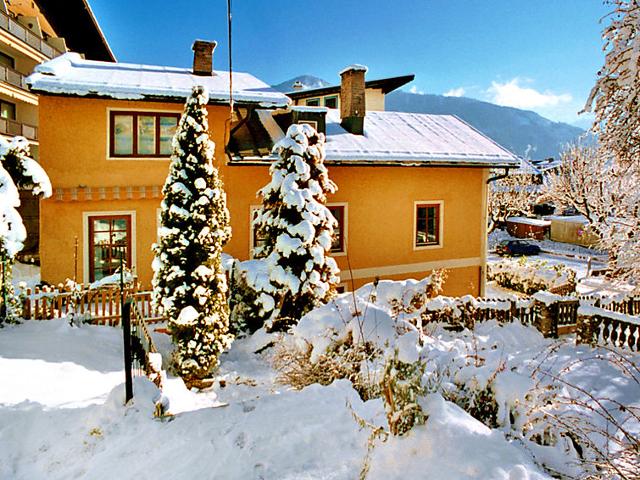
16,79
13,128
23,33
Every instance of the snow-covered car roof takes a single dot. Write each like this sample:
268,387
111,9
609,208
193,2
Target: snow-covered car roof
390,138
70,74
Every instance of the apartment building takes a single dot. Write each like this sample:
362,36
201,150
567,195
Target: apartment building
32,32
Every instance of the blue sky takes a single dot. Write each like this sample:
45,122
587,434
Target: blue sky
540,55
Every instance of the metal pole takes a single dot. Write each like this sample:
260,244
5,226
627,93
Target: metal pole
122,280
126,327
125,311
4,309
75,261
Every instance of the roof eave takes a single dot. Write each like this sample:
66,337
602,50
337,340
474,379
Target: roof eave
267,104
252,160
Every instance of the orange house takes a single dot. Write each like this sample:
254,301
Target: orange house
412,188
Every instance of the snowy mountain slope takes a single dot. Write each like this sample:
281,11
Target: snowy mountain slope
512,128
309,81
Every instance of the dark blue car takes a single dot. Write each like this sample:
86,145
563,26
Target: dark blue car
517,247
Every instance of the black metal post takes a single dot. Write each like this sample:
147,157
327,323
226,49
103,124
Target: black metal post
3,308
126,334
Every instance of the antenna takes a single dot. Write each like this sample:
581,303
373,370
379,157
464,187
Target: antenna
230,63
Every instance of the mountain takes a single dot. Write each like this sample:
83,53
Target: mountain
520,131
515,129
309,81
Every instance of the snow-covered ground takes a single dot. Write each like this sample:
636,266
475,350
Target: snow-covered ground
61,413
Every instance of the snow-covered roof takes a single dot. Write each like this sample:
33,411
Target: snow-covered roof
526,168
413,137
538,222
389,138
70,74
536,167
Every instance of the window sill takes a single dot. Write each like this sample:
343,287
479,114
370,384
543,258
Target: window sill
145,159
427,247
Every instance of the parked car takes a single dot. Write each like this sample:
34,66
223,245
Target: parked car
517,247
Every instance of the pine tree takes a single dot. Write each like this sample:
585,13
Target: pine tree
189,284
17,170
297,227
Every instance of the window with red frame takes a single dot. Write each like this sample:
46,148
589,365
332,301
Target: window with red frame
109,239
427,224
141,134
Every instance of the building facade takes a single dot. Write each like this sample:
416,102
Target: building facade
407,202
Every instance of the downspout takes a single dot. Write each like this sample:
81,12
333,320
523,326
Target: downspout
499,177
482,274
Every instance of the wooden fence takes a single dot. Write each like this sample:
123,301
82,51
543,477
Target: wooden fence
99,306
613,322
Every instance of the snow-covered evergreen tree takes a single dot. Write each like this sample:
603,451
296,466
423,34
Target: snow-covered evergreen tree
189,284
17,170
297,228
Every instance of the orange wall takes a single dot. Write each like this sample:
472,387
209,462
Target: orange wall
73,150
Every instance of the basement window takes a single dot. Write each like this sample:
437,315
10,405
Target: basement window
141,134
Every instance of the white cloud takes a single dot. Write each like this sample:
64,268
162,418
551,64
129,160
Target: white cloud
513,94
455,92
414,89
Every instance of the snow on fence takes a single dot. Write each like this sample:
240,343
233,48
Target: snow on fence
550,313
98,306
597,326
598,320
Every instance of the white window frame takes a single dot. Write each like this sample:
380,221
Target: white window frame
345,236
440,244
134,110
85,238
252,209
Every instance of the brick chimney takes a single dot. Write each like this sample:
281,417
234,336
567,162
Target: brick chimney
352,98
203,57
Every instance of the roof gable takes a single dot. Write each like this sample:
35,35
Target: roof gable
385,84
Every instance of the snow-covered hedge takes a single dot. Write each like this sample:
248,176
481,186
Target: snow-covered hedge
528,276
383,319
